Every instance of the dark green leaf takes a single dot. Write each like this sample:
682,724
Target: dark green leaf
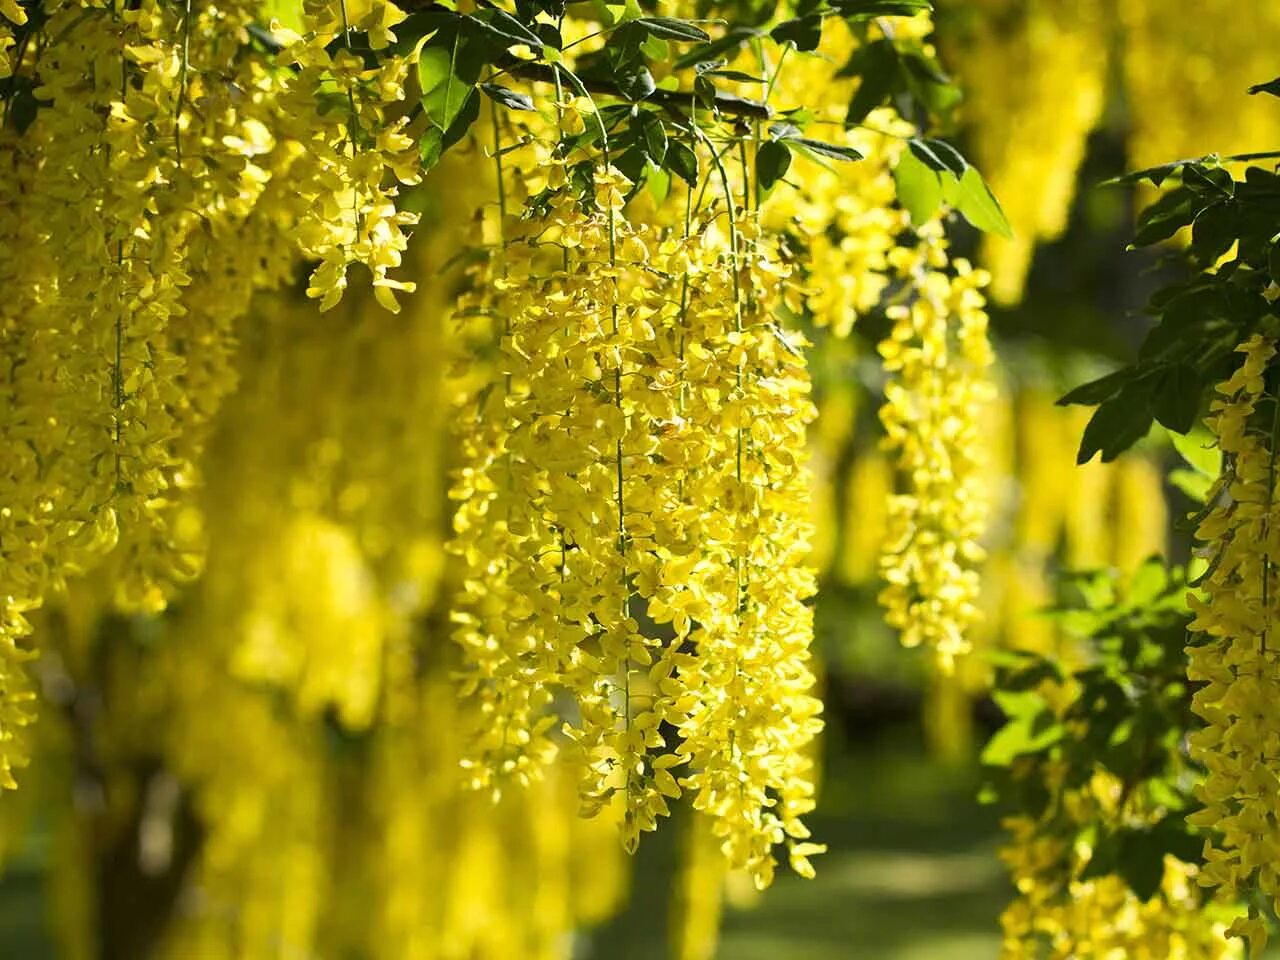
634,81
733,39
927,156
549,35
869,9
1160,221
1177,398
683,162
1213,231
21,103
705,91
772,160
632,162
1095,391
653,135
408,31
669,28
507,97
506,29
928,84
1209,180
1271,86
1141,861
735,75
881,74
1157,175
832,151
803,32
1117,424
950,158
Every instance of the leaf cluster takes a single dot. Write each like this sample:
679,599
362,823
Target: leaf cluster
1123,711
1199,319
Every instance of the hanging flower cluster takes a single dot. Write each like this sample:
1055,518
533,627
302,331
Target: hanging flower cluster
331,770
1234,655
844,216
344,194
634,521
157,174
937,355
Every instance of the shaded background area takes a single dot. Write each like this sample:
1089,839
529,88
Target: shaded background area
912,874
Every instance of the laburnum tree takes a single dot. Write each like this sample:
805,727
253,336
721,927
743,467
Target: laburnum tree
407,461
226,515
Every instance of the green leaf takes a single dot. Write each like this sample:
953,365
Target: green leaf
448,68
634,81
1157,175
1117,424
408,31
929,85
1031,728
1199,449
736,75
869,9
434,142
805,33
950,158
658,182
1162,219
1177,399
1194,485
507,97
1213,231
656,49
880,71
653,135
683,162
505,28
733,39
1147,583
772,160
1271,86
1095,391
1141,854
971,196
549,35
670,28
1209,180
831,151
919,189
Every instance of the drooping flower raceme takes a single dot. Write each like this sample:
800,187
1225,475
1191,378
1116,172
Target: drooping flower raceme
1234,654
633,519
937,355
